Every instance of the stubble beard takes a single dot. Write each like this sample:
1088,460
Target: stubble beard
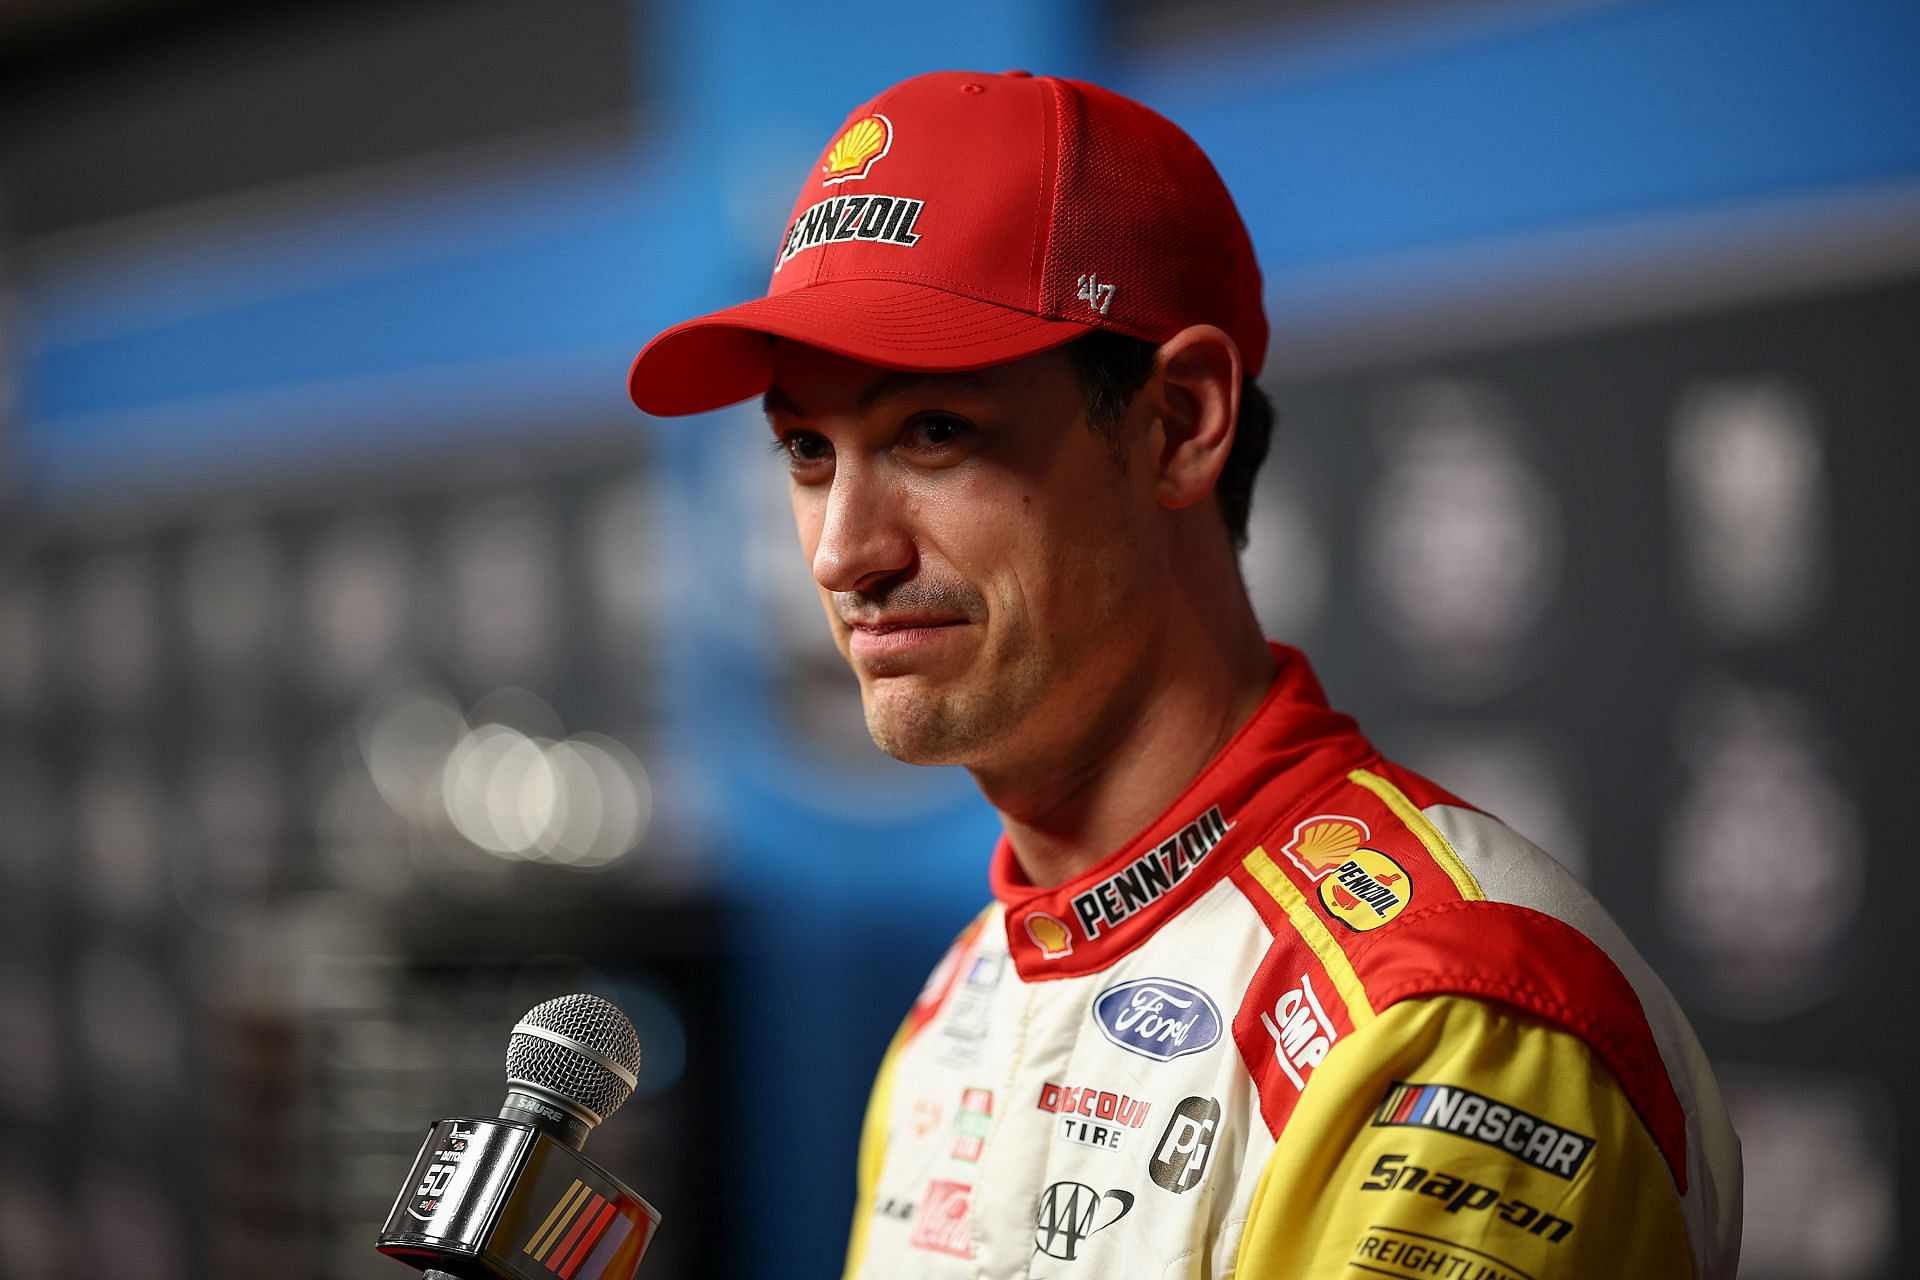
963,720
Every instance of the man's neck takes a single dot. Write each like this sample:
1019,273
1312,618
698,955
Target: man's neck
1124,772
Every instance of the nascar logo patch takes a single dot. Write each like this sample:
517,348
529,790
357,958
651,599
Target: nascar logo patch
1464,1113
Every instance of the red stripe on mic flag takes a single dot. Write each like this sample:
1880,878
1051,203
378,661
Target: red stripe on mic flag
579,1225
580,1250
609,1245
542,1240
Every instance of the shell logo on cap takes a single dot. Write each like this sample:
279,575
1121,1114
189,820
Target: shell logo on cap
1322,843
858,146
1049,934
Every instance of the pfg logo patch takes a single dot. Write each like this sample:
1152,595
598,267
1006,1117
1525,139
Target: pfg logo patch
1180,1161
1158,1018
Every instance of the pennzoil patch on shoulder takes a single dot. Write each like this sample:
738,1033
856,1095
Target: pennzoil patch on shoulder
876,218
1367,890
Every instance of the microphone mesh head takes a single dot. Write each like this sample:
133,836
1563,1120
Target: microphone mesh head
599,1029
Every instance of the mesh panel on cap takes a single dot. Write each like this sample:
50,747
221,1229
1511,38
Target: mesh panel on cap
1139,205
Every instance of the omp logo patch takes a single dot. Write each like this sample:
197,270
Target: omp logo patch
1367,890
1464,1113
1302,1033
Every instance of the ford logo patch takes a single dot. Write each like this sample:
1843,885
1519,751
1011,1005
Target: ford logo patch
1158,1018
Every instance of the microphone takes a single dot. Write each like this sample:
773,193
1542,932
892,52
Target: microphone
510,1197
571,1062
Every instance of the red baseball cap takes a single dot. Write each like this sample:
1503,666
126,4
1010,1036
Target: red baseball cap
960,220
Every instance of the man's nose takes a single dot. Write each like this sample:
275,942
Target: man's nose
864,539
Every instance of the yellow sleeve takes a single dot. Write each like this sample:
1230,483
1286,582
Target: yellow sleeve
1451,1139
873,1152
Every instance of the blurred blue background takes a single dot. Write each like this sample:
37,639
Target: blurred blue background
371,670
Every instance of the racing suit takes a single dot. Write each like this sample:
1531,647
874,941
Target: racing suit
1319,1019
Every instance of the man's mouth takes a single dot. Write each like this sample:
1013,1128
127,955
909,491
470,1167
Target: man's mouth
899,635
902,622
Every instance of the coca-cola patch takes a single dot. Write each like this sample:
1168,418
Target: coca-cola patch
941,1224
1158,1018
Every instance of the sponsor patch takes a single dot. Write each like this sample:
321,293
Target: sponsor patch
924,1117
1416,1255
1180,1161
1453,1194
941,1224
1158,1018
1301,1031
1151,875
985,970
969,1018
1070,1212
1367,890
1324,841
1093,1117
874,219
1464,1113
971,1122
1049,934
854,152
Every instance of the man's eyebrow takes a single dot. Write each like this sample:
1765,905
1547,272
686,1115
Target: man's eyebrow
901,381
898,382
776,400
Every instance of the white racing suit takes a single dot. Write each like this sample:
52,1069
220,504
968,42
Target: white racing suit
1320,1019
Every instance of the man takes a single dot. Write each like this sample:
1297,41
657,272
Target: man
1250,1000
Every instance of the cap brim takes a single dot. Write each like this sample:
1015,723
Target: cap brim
727,357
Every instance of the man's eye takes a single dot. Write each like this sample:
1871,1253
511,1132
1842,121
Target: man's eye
937,431
803,449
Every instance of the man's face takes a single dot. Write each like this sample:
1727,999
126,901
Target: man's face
987,568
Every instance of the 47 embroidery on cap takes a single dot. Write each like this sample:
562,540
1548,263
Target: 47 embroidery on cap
1095,293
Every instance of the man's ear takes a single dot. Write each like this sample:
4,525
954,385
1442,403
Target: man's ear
1195,392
